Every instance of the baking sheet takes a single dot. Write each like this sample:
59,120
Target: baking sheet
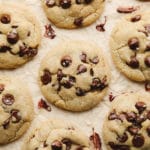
29,72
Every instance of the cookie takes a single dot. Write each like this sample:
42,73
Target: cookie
56,135
74,76
73,13
16,109
130,45
127,126
19,33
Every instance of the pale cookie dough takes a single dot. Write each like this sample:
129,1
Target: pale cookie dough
127,126
20,35
56,135
73,13
130,45
16,109
74,76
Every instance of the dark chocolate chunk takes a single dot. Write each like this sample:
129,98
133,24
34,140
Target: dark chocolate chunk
122,138
50,3
134,63
140,106
133,130
12,37
83,57
80,92
136,18
8,99
65,4
66,61
68,143
95,60
42,104
133,43
5,18
81,69
56,145
147,61
78,21
138,141
46,77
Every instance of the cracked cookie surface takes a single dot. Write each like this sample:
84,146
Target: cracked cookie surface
130,45
74,76
127,126
56,135
19,33
16,109
73,13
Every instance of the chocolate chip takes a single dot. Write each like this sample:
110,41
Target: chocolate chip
147,61
66,61
111,97
83,57
46,77
78,21
134,63
147,28
56,145
112,116
122,138
42,104
50,3
131,117
5,18
2,87
65,3
91,72
81,69
60,75
148,115
118,147
12,37
88,1
45,144
68,143
15,116
140,106
14,26
140,119
80,92
101,27
95,60
133,130
133,43
136,18
4,49
147,47
72,79
66,84
8,99
126,9
122,116
49,31
138,141
148,131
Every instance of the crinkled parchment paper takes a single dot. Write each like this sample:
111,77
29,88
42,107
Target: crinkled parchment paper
29,72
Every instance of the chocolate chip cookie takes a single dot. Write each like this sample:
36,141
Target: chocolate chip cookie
130,45
74,76
57,135
19,33
73,13
16,109
127,126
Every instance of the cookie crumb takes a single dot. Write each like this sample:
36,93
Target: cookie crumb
42,104
49,32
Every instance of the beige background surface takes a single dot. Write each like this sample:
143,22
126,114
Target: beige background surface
29,72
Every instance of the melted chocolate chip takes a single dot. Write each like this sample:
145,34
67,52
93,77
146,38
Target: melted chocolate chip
49,31
60,75
140,119
68,143
91,72
83,57
42,104
8,99
140,106
12,37
126,9
133,43
80,92
95,60
2,87
118,147
138,141
133,130
65,3
147,61
15,116
136,18
122,138
66,84
56,145
134,63
81,69
148,131
72,79
131,117
50,3
4,49
112,116
46,77
66,61
78,21
5,18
